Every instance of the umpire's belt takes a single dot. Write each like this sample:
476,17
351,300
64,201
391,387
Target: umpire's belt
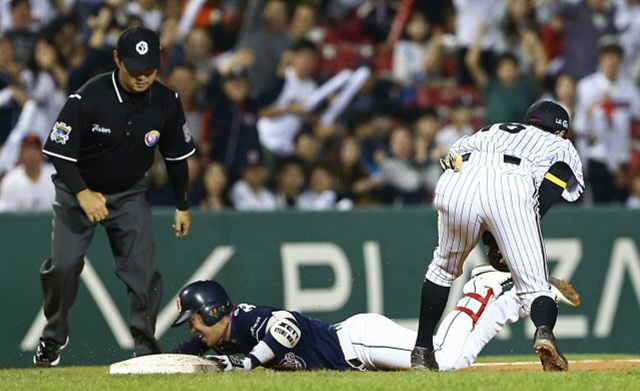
505,158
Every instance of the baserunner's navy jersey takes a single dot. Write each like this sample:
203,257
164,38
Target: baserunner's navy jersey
318,347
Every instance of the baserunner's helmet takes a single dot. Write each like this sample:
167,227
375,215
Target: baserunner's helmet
208,298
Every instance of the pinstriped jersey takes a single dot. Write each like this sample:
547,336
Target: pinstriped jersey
537,149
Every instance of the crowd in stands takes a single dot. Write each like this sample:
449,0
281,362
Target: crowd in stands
331,104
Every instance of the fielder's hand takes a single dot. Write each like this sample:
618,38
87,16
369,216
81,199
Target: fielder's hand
93,204
182,222
452,161
230,363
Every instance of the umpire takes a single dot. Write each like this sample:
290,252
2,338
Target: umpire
102,146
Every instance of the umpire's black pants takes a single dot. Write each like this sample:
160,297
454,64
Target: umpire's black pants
130,231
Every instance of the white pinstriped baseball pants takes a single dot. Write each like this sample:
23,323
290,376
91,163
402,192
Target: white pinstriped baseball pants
489,194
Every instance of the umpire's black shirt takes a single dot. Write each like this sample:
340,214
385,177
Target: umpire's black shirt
111,135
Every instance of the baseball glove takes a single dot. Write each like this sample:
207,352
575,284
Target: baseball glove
452,161
493,252
565,292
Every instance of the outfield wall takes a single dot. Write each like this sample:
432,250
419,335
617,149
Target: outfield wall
328,265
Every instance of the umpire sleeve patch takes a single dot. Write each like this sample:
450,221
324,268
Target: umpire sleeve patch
60,133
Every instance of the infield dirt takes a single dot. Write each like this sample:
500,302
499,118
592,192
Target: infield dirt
582,365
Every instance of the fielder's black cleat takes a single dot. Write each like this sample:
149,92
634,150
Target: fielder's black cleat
550,356
423,359
48,353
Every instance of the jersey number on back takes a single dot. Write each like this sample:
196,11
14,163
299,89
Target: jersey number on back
511,127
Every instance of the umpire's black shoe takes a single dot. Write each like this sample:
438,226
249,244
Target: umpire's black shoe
423,359
48,353
544,342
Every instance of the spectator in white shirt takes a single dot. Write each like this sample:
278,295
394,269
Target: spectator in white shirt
291,180
282,116
249,192
320,194
28,187
634,199
607,103
461,115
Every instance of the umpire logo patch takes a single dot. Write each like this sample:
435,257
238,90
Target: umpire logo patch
60,133
151,138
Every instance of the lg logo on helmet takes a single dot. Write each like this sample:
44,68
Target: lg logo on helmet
564,123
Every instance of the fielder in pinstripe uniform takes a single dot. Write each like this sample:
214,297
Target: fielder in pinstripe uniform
497,184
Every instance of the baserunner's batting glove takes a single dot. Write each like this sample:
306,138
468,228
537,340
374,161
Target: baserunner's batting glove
231,362
452,161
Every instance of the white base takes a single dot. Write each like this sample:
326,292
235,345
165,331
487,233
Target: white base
163,363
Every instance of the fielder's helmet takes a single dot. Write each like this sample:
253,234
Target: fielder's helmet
208,298
548,116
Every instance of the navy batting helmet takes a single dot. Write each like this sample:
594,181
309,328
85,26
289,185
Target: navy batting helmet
548,116
208,298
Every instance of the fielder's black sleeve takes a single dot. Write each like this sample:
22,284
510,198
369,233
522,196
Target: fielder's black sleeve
179,176
554,183
69,174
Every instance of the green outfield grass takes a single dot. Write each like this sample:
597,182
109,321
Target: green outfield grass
97,378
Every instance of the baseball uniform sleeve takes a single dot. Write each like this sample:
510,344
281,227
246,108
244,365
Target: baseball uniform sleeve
66,135
176,142
575,187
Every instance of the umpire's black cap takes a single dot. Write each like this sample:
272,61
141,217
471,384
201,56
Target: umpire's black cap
139,48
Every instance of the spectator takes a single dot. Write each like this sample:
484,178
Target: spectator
607,103
28,186
508,93
352,179
628,24
303,24
264,32
426,127
230,127
307,150
320,194
282,116
521,36
417,57
183,81
215,185
12,94
377,17
405,182
476,23
564,92
633,201
427,152
41,12
170,32
460,125
250,193
97,57
23,37
45,82
197,51
583,23
291,180
196,184
148,11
